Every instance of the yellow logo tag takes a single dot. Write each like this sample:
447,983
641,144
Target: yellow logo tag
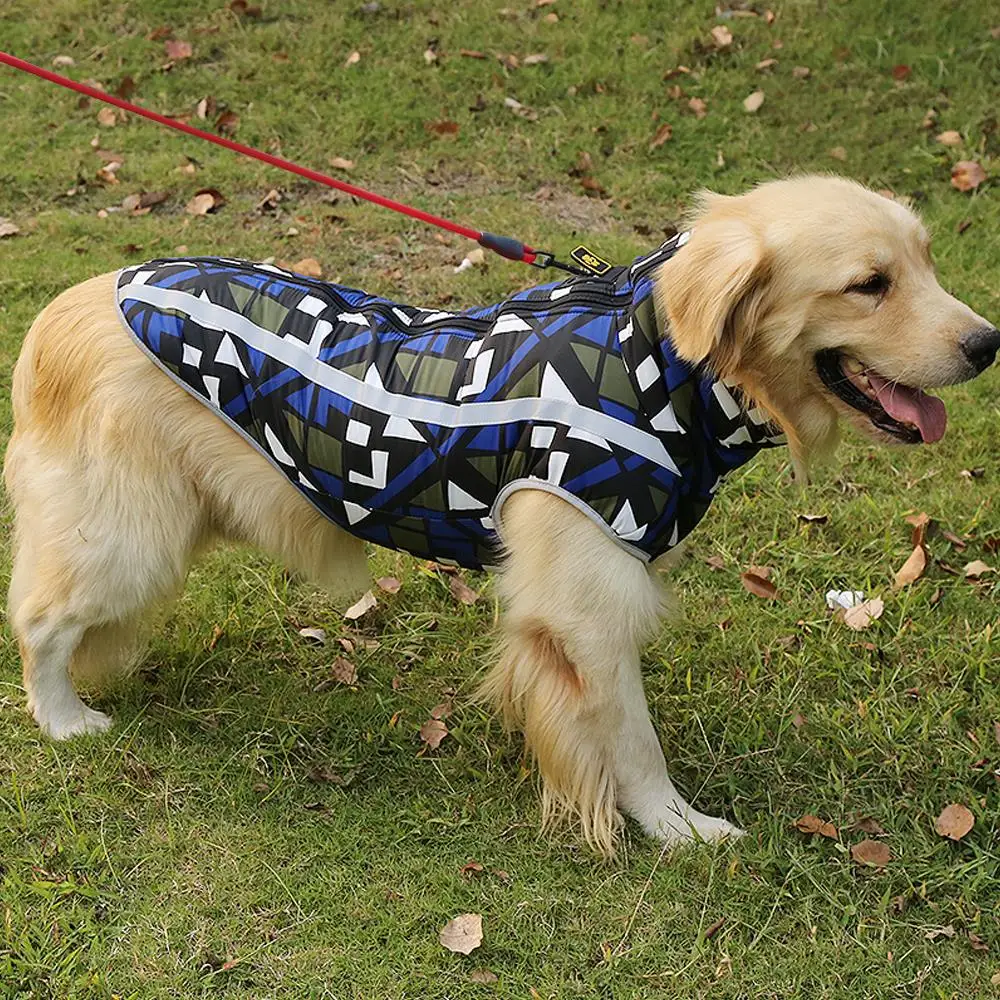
590,261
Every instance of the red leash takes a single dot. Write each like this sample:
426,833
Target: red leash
506,246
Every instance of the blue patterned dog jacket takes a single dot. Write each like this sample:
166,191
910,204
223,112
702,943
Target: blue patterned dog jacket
410,427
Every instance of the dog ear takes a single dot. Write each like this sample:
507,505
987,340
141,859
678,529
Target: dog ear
711,292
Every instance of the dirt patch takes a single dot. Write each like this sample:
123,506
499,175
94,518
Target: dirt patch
576,211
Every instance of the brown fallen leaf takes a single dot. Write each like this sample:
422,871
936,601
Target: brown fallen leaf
901,72
838,153
535,59
508,60
814,825
954,822
798,719
205,108
443,710
61,62
766,64
341,163
432,732
177,50
442,127
953,539
343,671
308,266
949,138
698,106
241,8
862,615
227,123
361,606
759,586
485,976
472,53
977,943
967,175
921,522
389,584
721,36
8,228
461,591
753,101
948,931
869,825
462,934
353,59
912,569
471,868
974,570
871,852
715,562
204,201
314,634
801,72
663,134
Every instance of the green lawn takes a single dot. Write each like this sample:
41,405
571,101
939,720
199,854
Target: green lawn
250,831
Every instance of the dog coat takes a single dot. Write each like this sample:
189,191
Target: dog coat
410,427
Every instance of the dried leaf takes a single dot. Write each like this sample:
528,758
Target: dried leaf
954,822
801,72
698,106
759,586
353,59
509,60
871,852
461,591
949,138
716,562
934,933
862,615
227,123
483,976
361,607
308,266
753,101
442,127
901,72
472,53
241,8
177,50
205,108
471,868
921,522
814,518
8,228
535,59
343,671
204,201
978,944
443,710
721,36
522,110
316,635
912,569
869,825
463,934
814,825
389,584
430,55
107,118
967,175
340,163
663,133
956,542
975,569
432,732
838,153
62,62
798,719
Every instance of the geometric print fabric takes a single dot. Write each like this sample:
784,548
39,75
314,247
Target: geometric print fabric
409,427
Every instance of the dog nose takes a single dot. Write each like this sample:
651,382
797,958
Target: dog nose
981,347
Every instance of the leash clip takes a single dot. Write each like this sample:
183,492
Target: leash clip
544,259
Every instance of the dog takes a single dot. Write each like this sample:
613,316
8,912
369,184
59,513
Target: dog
571,436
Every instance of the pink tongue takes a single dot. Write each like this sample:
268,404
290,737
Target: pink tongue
912,406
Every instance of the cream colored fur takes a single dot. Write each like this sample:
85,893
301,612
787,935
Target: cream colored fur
119,478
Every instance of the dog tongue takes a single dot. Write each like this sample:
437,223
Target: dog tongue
913,406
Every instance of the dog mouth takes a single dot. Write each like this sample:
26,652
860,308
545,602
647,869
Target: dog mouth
907,413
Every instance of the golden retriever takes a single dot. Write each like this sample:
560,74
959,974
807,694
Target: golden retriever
814,298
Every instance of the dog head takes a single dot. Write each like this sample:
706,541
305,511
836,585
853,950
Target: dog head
818,297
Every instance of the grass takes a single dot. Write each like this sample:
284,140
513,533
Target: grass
199,851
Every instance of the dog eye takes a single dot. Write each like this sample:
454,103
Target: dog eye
876,284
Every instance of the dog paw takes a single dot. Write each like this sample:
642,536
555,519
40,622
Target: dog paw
78,721
694,826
